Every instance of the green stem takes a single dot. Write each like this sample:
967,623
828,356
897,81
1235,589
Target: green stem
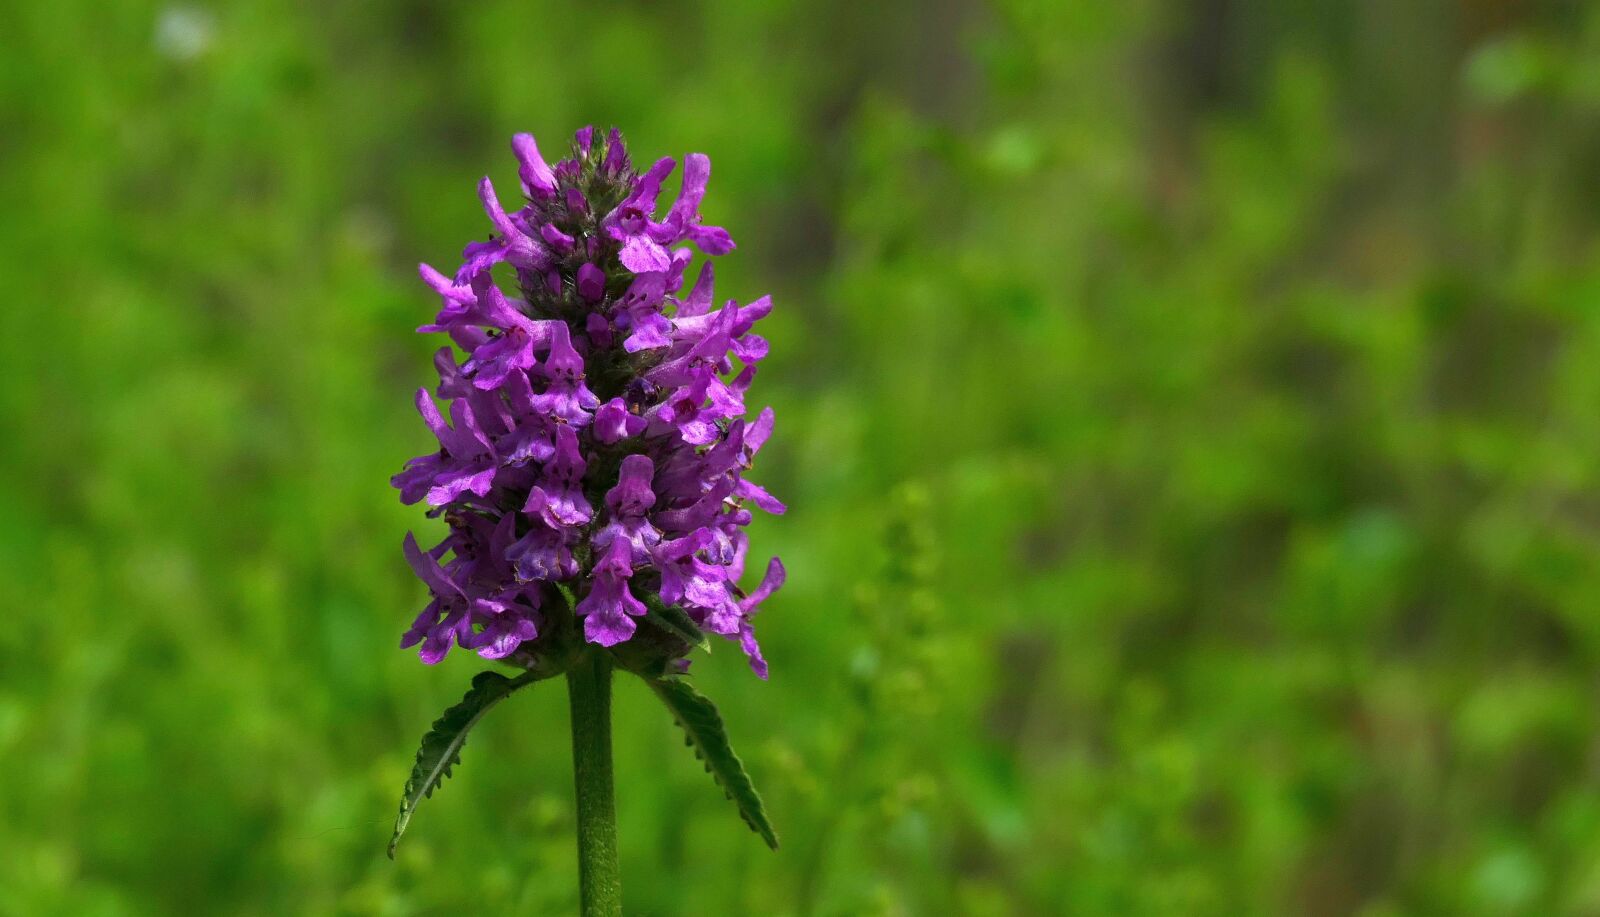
589,689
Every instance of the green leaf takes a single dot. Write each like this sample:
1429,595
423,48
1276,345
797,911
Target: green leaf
441,747
700,720
676,622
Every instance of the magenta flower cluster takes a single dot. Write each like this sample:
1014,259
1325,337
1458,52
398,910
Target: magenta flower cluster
592,441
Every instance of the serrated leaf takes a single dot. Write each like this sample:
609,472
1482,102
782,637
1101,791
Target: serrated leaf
675,621
703,724
441,747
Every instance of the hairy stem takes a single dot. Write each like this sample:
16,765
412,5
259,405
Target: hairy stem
589,689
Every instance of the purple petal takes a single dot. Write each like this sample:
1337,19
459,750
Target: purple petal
435,421
713,240
696,172
747,642
649,332
641,255
537,179
632,495
755,493
608,627
616,153
591,282
699,301
491,206
599,330
428,569
612,422
649,187
557,239
771,582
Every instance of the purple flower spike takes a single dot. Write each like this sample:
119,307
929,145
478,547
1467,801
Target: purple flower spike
587,437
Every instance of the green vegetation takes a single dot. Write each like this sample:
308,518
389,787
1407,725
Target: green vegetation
1189,415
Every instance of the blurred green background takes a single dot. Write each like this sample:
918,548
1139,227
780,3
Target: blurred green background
1189,415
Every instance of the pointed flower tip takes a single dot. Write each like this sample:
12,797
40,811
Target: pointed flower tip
537,179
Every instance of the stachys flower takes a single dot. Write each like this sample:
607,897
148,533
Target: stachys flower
592,429
593,443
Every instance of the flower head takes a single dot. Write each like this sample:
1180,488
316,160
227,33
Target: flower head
594,454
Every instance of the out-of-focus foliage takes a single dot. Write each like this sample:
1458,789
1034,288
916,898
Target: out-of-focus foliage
1189,414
